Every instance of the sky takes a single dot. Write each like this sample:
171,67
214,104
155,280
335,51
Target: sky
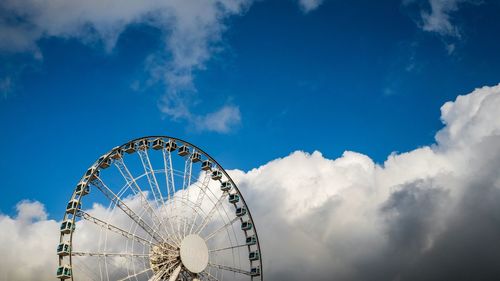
389,106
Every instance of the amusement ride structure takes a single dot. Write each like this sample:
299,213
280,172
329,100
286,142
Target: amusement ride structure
157,208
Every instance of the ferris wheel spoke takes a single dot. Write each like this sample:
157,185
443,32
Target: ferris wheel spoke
136,274
207,219
188,167
153,183
175,273
170,184
228,224
229,268
125,172
227,248
203,191
169,173
118,202
110,227
141,272
92,254
209,276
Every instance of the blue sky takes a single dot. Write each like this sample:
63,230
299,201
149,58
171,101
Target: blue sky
366,76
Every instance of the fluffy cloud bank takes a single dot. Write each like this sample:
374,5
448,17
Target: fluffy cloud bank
428,214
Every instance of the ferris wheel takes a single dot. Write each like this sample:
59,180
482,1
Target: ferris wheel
157,208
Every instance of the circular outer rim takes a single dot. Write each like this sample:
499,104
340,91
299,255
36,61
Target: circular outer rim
97,163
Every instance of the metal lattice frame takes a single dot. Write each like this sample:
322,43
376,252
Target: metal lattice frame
151,215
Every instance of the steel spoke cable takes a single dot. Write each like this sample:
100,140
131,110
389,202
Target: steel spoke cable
229,268
153,183
126,209
125,172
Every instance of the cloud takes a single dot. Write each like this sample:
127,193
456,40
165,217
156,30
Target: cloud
438,17
309,5
5,86
191,32
432,213
416,217
28,244
221,121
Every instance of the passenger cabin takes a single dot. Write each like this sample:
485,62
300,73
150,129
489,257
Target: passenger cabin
92,174
183,150
234,198
63,249
67,227
82,189
73,206
195,157
255,271
143,144
64,272
216,175
171,145
158,144
241,211
226,186
129,147
246,225
104,162
206,165
251,240
116,154
253,256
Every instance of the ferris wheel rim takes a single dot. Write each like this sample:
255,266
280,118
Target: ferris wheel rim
96,167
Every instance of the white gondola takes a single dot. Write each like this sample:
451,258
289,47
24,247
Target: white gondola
171,145
73,206
82,189
63,249
241,211
64,272
129,147
246,225
216,175
251,240
234,198
158,144
206,165
226,186
255,271
67,227
91,174
104,162
253,256
143,144
195,157
183,150
117,154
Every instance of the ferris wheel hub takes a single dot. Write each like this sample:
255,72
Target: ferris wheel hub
194,253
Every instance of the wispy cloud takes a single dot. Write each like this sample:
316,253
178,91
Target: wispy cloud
310,5
437,16
6,86
191,30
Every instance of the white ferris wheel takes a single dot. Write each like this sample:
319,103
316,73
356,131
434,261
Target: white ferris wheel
157,208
